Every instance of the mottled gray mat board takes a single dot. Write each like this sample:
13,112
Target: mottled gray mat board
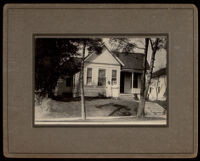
22,139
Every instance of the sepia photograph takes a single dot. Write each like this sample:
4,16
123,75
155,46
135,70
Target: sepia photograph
109,80
100,80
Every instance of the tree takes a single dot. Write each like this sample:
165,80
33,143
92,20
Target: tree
92,45
156,45
125,45
55,57
50,56
140,110
149,75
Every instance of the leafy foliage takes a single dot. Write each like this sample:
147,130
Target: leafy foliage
55,57
162,43
124,45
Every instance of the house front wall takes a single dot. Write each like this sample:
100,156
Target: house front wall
107,62
109,90
95,69
63,87
158,87
92,89
95,62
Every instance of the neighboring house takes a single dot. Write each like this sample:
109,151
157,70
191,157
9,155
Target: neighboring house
107,74
158,87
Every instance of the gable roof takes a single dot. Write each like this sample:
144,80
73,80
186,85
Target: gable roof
104,48
127,60
131,60
115,56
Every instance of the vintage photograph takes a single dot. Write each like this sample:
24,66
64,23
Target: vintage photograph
100,80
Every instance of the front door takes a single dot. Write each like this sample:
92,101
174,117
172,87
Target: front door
127,82
122,82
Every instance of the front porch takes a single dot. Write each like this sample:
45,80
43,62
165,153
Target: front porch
130,82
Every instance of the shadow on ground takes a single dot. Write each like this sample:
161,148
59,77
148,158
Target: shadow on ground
67,98
118,109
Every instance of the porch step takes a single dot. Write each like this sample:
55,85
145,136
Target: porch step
128,96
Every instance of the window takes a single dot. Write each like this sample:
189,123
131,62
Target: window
89,76
158,89
114,77
102,77
68,81
135,80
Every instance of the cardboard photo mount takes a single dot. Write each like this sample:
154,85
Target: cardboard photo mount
23,140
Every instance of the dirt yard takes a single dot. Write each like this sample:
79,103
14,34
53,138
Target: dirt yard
100,107
95,107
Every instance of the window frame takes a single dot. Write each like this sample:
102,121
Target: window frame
89,83
101,78
114,77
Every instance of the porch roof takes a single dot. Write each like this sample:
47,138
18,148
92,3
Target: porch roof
159,72
131,60
132,70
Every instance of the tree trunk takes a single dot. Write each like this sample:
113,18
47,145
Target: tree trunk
157,89
83,110
149,75
141,106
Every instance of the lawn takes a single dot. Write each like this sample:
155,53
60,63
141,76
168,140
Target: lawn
95,107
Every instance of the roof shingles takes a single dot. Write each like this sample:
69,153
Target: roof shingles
131,60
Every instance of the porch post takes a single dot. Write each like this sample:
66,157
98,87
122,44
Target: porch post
132,82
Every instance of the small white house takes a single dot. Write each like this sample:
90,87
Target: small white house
158,87
107,74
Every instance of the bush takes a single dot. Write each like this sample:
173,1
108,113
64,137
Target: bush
46,104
